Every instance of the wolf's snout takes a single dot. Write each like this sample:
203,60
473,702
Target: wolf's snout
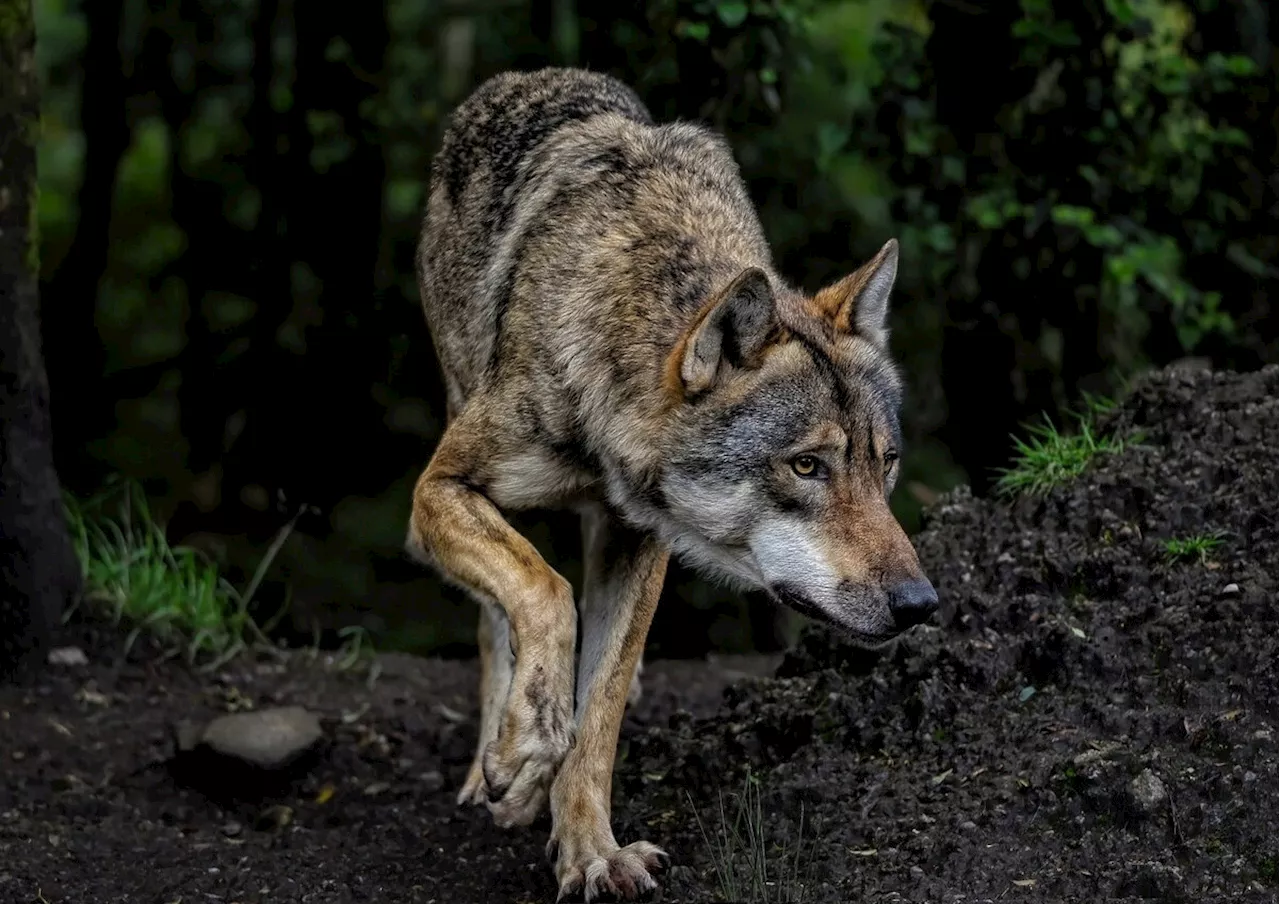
912,602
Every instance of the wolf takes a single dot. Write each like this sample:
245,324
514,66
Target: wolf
615,340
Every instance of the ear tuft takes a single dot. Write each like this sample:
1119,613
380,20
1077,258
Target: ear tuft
732,333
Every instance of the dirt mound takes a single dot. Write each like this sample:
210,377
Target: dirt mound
1092,722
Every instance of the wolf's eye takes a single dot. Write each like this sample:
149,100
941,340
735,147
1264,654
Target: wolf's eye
805,465
890,459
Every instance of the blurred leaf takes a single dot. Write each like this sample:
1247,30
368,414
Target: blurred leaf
1069,215
731,12
225,311
698,31
404,197
831,138
149,249
1122,10
144,169
1103,236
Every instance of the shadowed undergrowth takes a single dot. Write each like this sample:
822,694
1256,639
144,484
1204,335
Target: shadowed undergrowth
750,866
174,594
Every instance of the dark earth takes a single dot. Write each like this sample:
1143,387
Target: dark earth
1091,722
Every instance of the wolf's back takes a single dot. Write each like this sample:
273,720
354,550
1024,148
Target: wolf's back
511,114
478,182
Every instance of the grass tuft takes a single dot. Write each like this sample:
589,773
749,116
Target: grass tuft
1195,548
1049,457
173,593
748,868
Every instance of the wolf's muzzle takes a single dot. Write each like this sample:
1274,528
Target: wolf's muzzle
912,602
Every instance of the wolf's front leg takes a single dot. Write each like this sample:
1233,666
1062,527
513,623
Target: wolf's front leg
463,534
493,637
624,571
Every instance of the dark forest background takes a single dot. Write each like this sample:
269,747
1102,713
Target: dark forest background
230,192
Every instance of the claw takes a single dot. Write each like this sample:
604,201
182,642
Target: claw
569,891
623,874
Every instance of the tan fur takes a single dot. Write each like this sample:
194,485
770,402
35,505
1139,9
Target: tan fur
623,592
470,542
496,662
837,303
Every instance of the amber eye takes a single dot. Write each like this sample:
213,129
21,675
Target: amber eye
805,465
890,458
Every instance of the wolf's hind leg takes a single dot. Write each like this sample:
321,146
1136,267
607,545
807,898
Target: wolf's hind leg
496,664
624,571
463,534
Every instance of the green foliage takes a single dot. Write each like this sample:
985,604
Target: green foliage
1152,135
1193,548
172,593
1048,457
749,867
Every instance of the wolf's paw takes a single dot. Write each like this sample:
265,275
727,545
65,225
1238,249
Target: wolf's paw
523,798
520,765
609,873
474,791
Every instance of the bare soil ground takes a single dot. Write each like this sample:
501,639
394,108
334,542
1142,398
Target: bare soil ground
1090,722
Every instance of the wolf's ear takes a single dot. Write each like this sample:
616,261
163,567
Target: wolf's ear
735,328
859,303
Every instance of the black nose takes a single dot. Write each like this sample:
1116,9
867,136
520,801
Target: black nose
912,602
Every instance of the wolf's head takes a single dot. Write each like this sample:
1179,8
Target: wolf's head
787,446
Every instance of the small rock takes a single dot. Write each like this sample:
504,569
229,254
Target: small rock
1231,590
232,829
917,873
968,826
267,738
1148,791
377,788
1100,751
682,874
431,781
67,656
277,816
69,782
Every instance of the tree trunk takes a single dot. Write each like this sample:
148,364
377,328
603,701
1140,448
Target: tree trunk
38,569
75,354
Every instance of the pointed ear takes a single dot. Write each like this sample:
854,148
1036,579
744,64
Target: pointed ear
734,329
859,303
